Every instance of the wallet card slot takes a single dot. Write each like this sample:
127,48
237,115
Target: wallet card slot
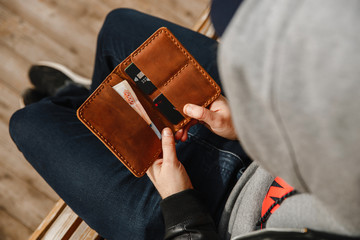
188,86
158,119
147,101
160,59
149,89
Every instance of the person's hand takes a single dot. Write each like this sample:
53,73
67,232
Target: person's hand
168,174
217,118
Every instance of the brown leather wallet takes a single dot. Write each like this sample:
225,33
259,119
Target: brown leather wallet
175,74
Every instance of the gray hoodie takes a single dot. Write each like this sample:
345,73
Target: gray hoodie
291,70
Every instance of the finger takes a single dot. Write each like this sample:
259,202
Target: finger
168,146
154,169
186,129
151,173
199,113
155,166
179,134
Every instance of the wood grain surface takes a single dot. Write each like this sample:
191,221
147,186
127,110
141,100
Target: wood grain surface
59,31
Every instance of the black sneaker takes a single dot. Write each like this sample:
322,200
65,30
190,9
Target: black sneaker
49,77
30,96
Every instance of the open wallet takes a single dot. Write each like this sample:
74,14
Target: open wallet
164,77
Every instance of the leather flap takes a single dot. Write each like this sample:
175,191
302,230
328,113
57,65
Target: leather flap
120,128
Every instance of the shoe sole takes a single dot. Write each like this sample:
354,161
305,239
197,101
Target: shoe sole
70,74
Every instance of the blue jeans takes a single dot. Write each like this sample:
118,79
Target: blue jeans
88,177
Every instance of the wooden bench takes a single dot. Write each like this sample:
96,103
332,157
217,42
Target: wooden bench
62,223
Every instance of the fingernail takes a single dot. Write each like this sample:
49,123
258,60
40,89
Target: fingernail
188,109
167,132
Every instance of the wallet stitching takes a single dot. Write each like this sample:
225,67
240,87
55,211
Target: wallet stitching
107,81
174,76
191,60
126,63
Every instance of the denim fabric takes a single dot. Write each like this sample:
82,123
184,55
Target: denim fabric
88,177
222,12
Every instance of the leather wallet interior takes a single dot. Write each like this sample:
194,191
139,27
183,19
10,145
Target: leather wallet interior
174,73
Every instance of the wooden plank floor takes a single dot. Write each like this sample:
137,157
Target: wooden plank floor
64,32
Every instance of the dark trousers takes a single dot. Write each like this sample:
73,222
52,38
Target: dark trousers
84,173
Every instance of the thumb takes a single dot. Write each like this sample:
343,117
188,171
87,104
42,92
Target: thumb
199,113
168,146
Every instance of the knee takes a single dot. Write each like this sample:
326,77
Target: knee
116,28
120,14
118,18
16,124
25,123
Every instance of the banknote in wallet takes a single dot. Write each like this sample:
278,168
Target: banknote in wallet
126,92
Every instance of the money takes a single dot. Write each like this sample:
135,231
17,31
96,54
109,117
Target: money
127,93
